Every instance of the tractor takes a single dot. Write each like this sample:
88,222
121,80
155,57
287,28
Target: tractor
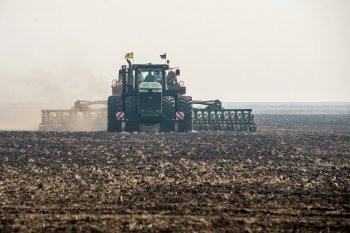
148,97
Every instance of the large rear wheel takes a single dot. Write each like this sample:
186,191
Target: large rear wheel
114,106
168,114
185,105
131,114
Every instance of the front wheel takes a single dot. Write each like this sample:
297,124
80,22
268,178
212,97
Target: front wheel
131,114
168,114
185,105
114,106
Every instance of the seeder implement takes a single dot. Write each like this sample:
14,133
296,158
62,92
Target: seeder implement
85,115
215,117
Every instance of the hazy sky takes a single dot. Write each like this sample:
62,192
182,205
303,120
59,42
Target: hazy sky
252,50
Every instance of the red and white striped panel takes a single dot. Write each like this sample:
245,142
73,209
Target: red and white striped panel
180,116
120,116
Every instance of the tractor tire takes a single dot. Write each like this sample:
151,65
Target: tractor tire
168,113
185,105
131,114
114,106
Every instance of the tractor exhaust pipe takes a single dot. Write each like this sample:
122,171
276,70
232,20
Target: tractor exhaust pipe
130,75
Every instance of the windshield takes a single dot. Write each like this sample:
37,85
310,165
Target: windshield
149,75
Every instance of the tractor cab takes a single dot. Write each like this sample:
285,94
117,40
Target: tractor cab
136,74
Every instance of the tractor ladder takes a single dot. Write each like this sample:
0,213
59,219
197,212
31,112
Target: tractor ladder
214,117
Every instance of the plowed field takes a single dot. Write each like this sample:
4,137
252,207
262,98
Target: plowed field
292,175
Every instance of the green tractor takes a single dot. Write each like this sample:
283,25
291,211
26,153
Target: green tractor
148,97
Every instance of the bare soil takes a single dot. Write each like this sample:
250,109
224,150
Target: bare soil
293,175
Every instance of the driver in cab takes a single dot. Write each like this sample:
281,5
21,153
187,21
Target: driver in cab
150,77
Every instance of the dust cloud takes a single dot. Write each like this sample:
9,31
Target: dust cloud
49,88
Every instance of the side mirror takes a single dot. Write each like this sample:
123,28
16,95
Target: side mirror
122,70
177,72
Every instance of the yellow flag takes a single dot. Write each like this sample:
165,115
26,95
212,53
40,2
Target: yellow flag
129,55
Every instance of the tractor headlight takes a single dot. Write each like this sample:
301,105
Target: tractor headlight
143,90
157,90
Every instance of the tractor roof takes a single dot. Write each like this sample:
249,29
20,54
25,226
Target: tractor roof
162,66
